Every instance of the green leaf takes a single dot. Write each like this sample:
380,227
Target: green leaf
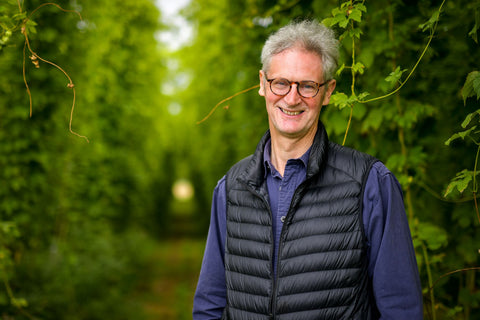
20,16
328,22
433,236
361,7
355,15
339,19
358,67
363,95
471,86
8,230
461,135
473,32
469,118
372,121
339,71
453,312
355,33
30,25
476,86
431,22
6,22
340,100
337,11
359,111
395,76
19,303
460,182
345,6
396,161
344,23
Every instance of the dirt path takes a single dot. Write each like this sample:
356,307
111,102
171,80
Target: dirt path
175,268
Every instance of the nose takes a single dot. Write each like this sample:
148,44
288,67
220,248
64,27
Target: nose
293,98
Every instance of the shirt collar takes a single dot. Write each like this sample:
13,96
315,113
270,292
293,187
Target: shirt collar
267,163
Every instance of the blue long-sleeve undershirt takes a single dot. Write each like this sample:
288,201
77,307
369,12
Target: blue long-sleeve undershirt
392,265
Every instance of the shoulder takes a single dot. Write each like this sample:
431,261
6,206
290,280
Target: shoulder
348,154
219,194
381,183
355,163
381,170
380,174
220,187
237,169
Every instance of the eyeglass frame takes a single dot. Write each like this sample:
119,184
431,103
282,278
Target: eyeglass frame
319,85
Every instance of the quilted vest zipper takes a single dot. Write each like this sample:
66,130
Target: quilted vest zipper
293,203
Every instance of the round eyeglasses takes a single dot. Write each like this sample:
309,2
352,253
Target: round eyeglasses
306,89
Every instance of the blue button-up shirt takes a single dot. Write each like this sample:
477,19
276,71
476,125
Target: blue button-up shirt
392,266
281,190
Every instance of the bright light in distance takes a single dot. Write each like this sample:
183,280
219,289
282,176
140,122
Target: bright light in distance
183,190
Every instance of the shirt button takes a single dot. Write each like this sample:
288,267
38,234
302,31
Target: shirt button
282,219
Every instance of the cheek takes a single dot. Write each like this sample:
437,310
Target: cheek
316,105
268,103
272,100
269,97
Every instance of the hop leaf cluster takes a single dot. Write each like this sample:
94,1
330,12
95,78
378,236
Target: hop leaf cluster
346,13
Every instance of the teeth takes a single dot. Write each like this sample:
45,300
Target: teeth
291,113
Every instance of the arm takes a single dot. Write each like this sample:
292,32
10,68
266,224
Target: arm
392,264
210,296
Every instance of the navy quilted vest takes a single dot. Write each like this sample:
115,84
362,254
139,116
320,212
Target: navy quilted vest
322,265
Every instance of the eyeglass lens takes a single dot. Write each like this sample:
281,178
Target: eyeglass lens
282,87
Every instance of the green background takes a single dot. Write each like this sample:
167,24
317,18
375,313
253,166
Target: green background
92,230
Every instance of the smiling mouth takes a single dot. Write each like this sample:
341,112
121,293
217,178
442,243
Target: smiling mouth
291,113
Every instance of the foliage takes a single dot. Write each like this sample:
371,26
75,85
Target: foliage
68,207
73,215
397,98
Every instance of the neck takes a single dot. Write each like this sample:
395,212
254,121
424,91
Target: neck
284,149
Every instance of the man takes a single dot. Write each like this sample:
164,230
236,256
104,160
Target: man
305,228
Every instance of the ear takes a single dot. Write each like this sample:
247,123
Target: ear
261,91
331,86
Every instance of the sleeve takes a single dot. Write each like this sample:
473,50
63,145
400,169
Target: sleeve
392,264
210,295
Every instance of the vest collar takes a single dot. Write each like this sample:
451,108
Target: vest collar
255,172
319,152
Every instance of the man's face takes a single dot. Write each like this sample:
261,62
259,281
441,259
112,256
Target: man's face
291,115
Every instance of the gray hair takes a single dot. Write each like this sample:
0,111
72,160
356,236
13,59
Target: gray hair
309,35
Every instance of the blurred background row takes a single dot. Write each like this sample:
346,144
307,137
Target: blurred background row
114,228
